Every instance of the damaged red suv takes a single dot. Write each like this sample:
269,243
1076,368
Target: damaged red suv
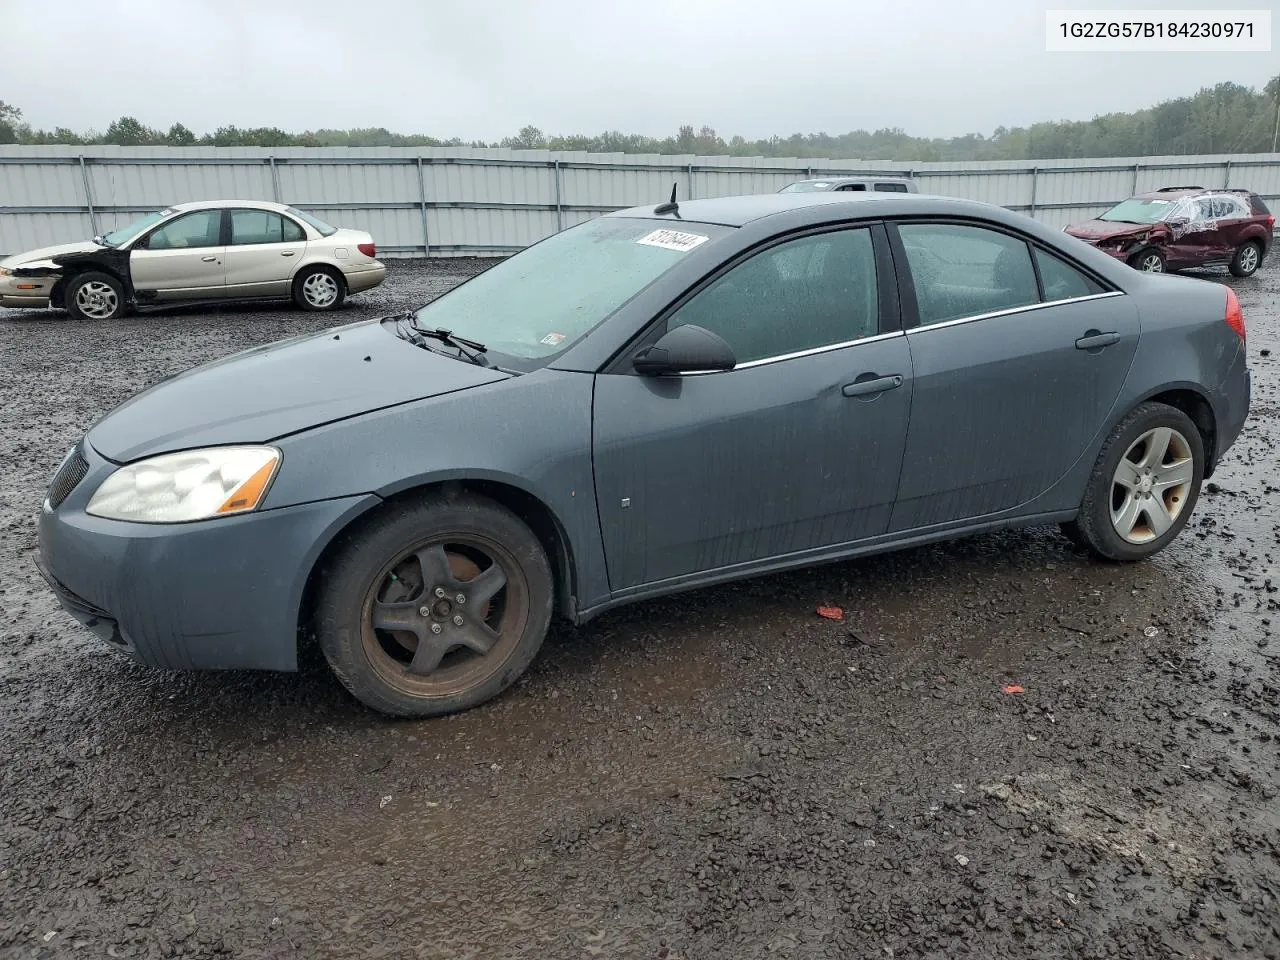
1177,227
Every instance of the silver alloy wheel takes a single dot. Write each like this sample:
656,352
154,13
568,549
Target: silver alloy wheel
1151,485
320,289
1249,259
97,300
1151,263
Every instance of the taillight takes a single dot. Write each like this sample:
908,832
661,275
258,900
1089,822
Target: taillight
368,249
1235,316
1271,222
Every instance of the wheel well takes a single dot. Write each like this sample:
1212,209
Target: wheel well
59,288
1197,408
527,507
328,268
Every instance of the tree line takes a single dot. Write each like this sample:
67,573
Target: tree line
1226,118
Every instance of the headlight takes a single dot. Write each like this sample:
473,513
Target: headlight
5,272
192,485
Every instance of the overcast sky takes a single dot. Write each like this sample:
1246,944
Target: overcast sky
483,69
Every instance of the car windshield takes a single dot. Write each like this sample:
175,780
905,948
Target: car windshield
125,233
806,186
326,230
1138,210
543,299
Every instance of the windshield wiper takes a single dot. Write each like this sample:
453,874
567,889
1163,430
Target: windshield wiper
470,349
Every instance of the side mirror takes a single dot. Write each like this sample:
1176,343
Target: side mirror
686,349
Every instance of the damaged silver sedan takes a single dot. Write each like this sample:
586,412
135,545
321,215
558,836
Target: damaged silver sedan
197,252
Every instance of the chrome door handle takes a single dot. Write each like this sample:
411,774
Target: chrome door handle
287,253
1093,340
209,259
861,388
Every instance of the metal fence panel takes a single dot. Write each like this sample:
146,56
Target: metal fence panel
443,201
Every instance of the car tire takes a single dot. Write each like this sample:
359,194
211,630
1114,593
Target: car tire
1148,260
1247,259
396,584
94,296
319,289
1144,485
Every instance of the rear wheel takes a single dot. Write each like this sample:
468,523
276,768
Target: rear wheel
1148,260
1247,259
94,296
1144,485
435,607
319,288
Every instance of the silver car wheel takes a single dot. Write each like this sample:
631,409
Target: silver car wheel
1150,486
97,300
1249,259
1151,263
320,290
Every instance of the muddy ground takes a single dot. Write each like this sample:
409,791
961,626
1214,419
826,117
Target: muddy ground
719,775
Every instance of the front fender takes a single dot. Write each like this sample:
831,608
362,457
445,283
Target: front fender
531,433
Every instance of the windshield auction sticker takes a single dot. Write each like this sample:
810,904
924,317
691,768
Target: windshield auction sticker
673,240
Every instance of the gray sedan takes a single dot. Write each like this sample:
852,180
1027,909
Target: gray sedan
656,400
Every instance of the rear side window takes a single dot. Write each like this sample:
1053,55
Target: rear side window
963,271
1260,209
1061,280
262,226
892,188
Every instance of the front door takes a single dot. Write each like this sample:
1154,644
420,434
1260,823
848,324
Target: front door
181,259
1014,375
264,252
796,449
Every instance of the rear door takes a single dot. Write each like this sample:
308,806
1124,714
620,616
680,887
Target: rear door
796,449
182,259
1232,218
1018,358
264,250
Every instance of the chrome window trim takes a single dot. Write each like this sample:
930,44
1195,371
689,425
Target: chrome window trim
1012,310
812,351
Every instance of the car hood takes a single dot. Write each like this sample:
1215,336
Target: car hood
1106,229
44,253
281,388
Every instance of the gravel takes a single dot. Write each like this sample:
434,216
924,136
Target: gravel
719,774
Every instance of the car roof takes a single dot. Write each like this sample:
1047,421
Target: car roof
1167,192
739,211
207,204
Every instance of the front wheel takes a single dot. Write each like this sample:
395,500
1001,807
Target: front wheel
1148,261
319,289
1247,259
94,296
1144,485
434,607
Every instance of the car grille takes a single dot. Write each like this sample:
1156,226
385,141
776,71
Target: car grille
67,478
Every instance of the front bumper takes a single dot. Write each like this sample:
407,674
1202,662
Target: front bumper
25,292
209,595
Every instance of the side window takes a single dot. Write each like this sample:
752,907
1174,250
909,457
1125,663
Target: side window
852,186
258,226
962,271
892,188
1061,280
200,229
293,233
811,292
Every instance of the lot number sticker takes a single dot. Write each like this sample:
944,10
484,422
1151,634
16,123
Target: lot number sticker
673,240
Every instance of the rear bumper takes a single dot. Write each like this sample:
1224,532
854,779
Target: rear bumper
367,278
1236,395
